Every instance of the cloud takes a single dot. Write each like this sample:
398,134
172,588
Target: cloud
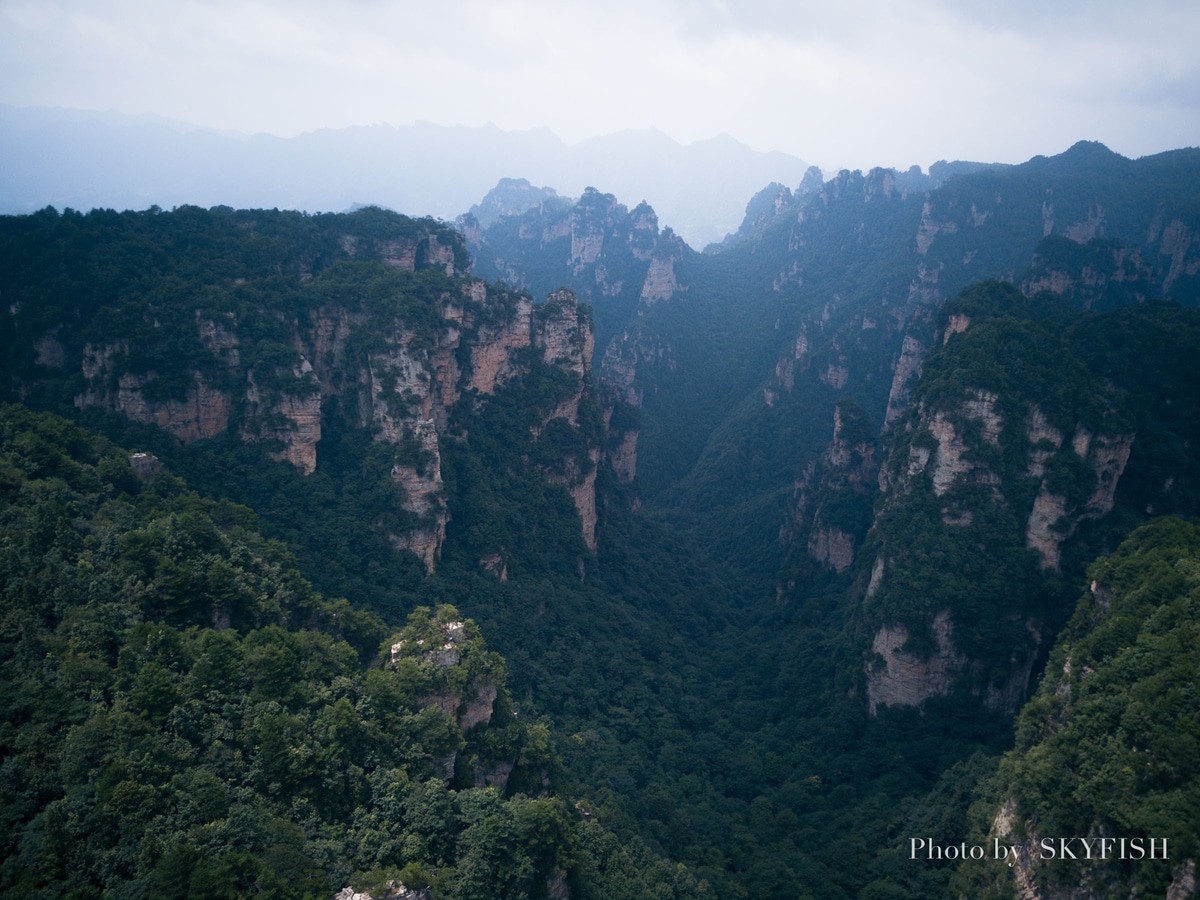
871,82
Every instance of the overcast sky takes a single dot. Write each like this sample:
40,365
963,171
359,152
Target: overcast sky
850,84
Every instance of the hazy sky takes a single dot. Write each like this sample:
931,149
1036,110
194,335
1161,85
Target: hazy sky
850,84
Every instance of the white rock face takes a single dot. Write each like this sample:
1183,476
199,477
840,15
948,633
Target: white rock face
623,458
1044,441
565,338
930,228
422,485
403,390
877,571
1040,534
301,412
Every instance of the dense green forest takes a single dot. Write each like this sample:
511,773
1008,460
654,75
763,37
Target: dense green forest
289,749
689,685
1109,746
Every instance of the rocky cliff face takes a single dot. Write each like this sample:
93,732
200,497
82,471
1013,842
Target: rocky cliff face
950,467
202,411
831,501
905,375
613,258
511,197
897,677
391,890
399,376
661,283
1096,881
1094,273
623,458
563,333
1053,518
492,356
989,471
610,256
951,463
764,206
293,419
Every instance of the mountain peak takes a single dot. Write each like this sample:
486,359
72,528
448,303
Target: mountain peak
1090,149
510,196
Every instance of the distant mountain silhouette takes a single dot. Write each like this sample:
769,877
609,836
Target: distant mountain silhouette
83,160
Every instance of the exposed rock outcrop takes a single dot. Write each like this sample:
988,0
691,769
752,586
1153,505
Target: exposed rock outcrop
1040,534
1049,523
835,376
50,352
202,413
145,465
643,235
564,334
908,370
956,324
830,508
293,419
1179,244
391,890
931,227
494,564
589,227
219,340
616,259
1091,272
831,546
492,355
623,457
447,654
618,377
900,678
1027,860
579,479
422,483
661,281
950,453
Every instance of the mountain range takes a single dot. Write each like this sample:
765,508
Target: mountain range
85,160
873,523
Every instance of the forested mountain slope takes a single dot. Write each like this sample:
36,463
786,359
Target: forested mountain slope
304,366
184,716
1107,750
